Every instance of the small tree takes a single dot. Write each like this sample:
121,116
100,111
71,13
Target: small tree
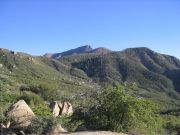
120,111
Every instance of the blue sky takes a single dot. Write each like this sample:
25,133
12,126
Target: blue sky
40,26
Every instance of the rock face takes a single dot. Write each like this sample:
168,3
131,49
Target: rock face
61,108
21,114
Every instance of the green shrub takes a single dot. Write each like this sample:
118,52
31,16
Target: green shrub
119,111
42,110
171,124
42,90
42,125
36,103
2,116
6,100
66,121
31,98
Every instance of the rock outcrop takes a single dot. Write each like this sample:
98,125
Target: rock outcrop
55,108
66,109
21,113
61,108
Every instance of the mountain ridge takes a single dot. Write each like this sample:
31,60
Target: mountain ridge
141,65
156,76
129,65
79,50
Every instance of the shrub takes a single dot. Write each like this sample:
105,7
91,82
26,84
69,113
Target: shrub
2,116
36,103
119,111
42,90
171,124
42,110
42,125
31,98
66,121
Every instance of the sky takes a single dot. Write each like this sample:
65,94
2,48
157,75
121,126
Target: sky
40,26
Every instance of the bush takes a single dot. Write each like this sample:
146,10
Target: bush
66,121
171,124
42,125
36,103
31,98
119,111
42,110
2,116
42,90
6,100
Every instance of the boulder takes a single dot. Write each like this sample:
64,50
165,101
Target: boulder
55,108
60,104
21,113
59,108
66,109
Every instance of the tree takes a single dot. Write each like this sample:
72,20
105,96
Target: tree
120,111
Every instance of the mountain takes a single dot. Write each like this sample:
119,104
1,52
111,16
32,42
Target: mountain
79,75
80,50
150,70
101,50
66,74
19,69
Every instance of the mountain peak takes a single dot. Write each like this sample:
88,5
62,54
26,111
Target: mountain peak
86,47
79,50
82,49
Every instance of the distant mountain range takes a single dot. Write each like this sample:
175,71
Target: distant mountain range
80,50
84,68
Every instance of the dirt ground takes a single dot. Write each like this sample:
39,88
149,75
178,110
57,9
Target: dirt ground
92,133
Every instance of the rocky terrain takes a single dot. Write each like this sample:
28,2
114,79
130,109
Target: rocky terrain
23,116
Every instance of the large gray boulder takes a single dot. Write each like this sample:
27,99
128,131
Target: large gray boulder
21,113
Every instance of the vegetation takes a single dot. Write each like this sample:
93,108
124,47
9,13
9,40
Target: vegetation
42,125
79,78
147,68
116,110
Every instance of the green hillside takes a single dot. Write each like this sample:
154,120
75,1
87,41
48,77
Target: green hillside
19,69
156,74
81,79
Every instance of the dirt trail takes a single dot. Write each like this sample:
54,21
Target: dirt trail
93,133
